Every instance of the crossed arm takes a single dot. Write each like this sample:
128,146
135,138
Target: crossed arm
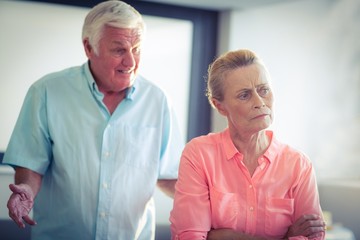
312,226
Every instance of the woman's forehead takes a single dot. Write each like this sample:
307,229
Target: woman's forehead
251,74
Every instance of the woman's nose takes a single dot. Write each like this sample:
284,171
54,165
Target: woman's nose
258,101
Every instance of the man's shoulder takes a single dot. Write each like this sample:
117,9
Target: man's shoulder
63,73
63,77
146,86
141,81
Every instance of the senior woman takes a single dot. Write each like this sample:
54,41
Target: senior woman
242,183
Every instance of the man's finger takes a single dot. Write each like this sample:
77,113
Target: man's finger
16,219
28,220
14,188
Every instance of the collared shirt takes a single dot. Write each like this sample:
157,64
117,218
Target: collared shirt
99,170
215,189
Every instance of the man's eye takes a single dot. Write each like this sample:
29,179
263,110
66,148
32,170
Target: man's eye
264,91
118,51
136,50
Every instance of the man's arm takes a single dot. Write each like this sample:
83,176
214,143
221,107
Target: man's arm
27,185
167,186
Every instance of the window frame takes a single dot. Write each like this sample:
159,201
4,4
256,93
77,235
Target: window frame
204,42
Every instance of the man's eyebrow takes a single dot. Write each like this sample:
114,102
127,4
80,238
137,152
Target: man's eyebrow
118,42
121,43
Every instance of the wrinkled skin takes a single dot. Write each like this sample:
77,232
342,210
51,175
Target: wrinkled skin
20,204
310,226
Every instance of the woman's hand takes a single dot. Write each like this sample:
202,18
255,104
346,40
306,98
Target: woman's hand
310,226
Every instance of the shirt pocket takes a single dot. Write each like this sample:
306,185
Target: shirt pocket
278,216
141,146
224,209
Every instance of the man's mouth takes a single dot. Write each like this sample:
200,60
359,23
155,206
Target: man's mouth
125,71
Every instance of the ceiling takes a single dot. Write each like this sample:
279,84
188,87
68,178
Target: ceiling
221,4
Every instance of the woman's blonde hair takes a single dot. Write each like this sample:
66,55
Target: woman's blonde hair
224,64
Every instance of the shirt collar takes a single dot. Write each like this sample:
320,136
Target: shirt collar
231,151
94,88
273,148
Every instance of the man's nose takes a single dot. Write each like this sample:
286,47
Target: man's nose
129,60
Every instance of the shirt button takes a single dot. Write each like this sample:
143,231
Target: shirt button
262,166
105,185
102,215
251,208
250,186
107,154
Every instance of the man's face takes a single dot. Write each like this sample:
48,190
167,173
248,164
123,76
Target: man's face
115,66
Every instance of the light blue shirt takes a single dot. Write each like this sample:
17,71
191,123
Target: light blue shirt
100,170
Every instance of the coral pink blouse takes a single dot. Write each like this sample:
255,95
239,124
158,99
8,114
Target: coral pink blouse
215,190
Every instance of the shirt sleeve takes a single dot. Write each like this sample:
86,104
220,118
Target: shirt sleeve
191,216
171,146
30,144
306,192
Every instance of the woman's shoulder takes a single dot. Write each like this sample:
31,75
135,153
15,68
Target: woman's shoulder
291,153
211,138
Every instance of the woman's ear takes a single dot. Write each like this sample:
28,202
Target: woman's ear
219,106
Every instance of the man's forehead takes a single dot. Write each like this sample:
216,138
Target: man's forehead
132,31
124,35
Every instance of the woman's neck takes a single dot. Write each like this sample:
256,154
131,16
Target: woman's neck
251,147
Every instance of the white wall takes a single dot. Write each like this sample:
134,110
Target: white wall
38,38
312,51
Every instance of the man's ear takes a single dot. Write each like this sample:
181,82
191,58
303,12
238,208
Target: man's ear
88,48
219,106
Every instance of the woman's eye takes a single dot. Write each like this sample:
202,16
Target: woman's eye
244,96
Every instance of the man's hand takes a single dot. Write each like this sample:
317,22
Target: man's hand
309,226
20,204
167,186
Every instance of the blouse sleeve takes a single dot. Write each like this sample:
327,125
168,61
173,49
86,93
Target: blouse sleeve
191,216
306,192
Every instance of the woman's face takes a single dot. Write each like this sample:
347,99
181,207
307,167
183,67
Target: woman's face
248,100
115,66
